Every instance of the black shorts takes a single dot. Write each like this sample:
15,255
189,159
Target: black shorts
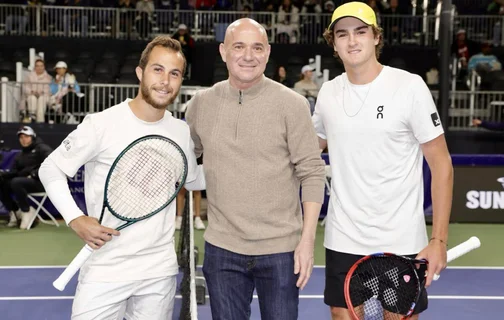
337,266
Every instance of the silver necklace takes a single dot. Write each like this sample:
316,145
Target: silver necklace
362,101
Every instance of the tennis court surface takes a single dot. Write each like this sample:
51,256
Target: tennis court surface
471,288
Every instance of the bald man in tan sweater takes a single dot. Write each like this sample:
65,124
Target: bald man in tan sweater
260,148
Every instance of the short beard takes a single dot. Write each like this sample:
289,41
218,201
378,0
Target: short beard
148,98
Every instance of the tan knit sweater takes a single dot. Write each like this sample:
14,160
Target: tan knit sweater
259,146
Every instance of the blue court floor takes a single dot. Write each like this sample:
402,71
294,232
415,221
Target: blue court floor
462,293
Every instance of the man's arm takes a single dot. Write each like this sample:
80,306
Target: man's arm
78,148
56,186
495,126
310,170
439,161
191,117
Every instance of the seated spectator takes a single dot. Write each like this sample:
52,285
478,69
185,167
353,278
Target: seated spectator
310,12
288,23
329,7
76,20
65,91
377,7
16,17
22,178
460,48
126,16
187,43
144,18
307,87
484,61
494,126
496,7
281,76
37,92
393,22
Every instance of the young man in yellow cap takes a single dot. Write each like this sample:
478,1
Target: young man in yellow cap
378,123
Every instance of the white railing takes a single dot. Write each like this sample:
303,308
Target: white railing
72,108
61,21
464,105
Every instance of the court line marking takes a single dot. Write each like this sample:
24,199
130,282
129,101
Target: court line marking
434,297
316,267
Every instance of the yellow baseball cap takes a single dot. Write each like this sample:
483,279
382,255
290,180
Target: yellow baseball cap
354,9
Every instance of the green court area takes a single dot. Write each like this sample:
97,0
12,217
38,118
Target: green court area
48,245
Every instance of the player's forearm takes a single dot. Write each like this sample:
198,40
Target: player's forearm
310,220
442,193
56,186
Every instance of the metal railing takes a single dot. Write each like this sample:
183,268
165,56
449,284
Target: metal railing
73,106
305,28
464,105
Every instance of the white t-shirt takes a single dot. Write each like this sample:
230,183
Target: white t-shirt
145,249
374,133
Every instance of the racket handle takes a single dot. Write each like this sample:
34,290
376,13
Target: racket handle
460,250
72,268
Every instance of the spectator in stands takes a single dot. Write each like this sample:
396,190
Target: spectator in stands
328,7
281,76
307,87
144,19
288,23
484,61
187,43
73,19
15,16
64,85
37,92
22,178
204,4
494,126
496,7
311,11
377,7
126,16
460,48
393,23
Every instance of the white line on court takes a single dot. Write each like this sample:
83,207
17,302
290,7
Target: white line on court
434,297
316,267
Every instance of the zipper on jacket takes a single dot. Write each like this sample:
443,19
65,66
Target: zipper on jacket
240,100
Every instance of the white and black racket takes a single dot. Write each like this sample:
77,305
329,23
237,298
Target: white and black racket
385,286
143,180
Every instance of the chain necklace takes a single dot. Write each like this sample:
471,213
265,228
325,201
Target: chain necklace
362,101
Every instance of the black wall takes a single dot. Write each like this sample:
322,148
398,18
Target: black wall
460,142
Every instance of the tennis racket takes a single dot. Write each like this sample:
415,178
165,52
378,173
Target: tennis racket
143,180
387,286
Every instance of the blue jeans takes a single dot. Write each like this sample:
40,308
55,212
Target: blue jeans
232,277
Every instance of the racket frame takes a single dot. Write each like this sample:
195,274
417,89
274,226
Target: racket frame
130,221
79,260
410,261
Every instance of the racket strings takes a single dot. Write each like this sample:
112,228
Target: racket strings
145,178
383,288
